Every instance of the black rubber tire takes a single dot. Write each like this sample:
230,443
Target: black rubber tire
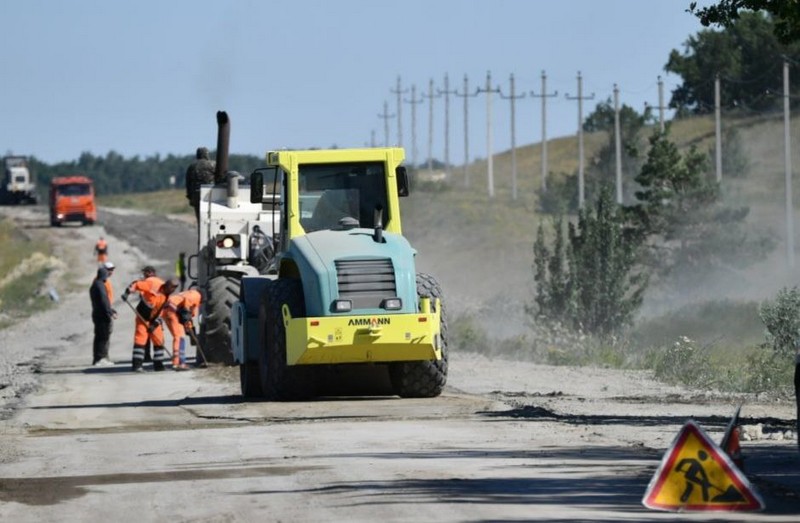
280,382
423,379
250,380
215,331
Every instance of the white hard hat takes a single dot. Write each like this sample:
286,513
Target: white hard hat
108,265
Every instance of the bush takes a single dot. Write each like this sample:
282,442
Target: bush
782,320
767,371
465,334
684,362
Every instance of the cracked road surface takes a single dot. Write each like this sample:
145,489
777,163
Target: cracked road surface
510,441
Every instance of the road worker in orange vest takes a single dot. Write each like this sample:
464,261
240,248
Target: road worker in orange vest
178,313
153,294
101,250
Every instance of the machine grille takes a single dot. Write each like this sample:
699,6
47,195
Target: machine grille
366,282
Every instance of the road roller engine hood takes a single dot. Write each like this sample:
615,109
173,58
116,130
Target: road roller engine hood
380,279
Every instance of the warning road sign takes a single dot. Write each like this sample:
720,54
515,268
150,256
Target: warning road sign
695,474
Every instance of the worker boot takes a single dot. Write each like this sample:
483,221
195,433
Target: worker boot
147,357
159,354
138,358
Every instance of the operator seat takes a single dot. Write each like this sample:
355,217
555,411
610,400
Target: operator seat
333,205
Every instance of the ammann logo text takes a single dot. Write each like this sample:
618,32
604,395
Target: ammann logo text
368,322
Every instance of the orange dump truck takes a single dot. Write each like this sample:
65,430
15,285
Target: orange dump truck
72,200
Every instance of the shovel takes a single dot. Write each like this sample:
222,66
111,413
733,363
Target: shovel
190,330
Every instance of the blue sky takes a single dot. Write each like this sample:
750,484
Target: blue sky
147,77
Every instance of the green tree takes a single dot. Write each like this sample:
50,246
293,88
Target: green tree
113,173
726,13
681,215
554,289
594,285
603,166
747,56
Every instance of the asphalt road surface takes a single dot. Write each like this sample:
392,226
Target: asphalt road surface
507,441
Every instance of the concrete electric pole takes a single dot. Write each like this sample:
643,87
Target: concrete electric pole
489,153
512,97
430,96
446,92
617,145
544,96
717,129
386,117
399,91
787,161
414,101
466,95
580,98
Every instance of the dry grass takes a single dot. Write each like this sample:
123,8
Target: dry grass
168,201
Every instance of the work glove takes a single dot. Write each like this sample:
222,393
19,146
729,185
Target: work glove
125,295
154,324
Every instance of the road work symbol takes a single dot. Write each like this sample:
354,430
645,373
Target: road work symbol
696,475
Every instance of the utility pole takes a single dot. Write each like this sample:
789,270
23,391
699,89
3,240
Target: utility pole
617,144
661,103
446,92
580,99
386,117
466,96
430,96
661,107
414,101
717,128
399,92
787,161
544,96
372,138
511,98
489,156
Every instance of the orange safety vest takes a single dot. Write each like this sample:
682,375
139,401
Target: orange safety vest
109,290
101,248
187,299
149,290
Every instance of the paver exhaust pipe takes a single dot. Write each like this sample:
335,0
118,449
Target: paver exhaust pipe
223,142
221,170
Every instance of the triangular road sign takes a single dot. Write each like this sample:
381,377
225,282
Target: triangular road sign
696,475
730,441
